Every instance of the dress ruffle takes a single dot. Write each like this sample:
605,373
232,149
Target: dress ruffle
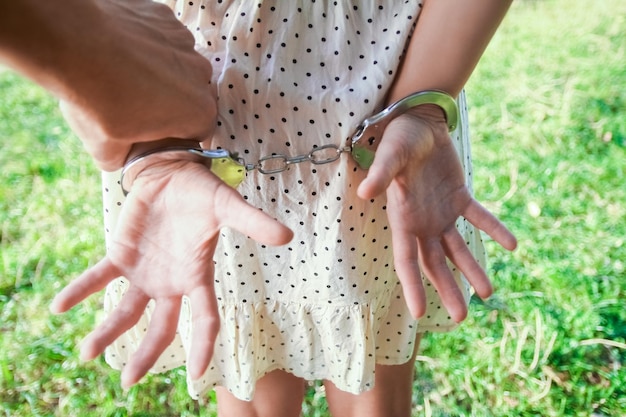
341,344
251,333
337,343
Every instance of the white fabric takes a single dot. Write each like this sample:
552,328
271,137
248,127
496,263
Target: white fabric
291,75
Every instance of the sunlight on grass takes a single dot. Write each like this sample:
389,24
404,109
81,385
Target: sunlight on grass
547,105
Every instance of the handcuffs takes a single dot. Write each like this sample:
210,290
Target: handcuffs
232,169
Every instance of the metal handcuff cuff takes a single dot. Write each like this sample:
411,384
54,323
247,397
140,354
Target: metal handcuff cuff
232,169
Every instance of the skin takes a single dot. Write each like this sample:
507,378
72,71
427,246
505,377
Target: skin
100,63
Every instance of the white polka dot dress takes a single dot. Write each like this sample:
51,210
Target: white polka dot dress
292,75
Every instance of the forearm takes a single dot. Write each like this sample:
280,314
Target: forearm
449,39
49,41
125,71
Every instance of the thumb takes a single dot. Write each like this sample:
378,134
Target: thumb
405,140
390,159
253,222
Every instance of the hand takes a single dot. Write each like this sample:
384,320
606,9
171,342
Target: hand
164,245
142,81
417,164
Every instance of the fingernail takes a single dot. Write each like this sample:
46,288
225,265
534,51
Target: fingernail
126,381
54,307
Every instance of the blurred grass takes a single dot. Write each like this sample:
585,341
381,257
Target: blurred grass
549,130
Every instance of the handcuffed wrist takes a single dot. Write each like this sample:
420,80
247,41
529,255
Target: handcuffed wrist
145,148
429,99
369,133
226,167
137,164
143,154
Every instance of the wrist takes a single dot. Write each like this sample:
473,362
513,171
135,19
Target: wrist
429,112
145,148
433,105
430,104
38,39
144,156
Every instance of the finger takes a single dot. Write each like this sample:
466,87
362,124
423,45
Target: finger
437,271
161,332
206,324
124,316
89,282
408,271
457,251
241,216
480,217
388,162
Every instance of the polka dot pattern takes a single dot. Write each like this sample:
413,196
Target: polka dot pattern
290,76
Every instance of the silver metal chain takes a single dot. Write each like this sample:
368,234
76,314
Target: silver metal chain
275,163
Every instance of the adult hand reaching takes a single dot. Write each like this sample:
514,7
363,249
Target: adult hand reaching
417,164
125,70
164,245
147,82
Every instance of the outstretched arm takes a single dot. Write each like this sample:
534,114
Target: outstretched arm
417,165
125,70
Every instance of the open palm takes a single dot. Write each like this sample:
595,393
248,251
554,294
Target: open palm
164,245
418,167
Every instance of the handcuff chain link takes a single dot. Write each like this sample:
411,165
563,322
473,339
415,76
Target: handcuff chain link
275,163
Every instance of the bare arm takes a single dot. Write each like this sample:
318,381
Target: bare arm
35,39
125,70
449,39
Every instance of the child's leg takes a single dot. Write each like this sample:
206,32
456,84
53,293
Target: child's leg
277,394
390,397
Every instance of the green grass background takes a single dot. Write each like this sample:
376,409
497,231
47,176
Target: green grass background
548,115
